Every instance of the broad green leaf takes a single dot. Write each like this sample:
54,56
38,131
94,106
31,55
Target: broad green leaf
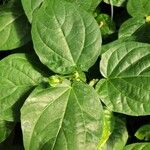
138,8
107,26
14,28
119,136
117,3
109,122
63,117
31,6
138,146
126,89
143,133
5,129
18,76
136,27
65,37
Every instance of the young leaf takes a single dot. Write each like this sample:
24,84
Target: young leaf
5,129
107,26
138,8
143,133
137,146
65,37
117,3
17,78
119,136
136,27
126,67
14,28
31,6
62,117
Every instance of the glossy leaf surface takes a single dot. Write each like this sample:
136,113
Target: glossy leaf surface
62,117
126,67
17,79
65,37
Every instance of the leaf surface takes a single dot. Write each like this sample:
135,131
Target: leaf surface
5,129
119,136
136,27
88,5
14,28
65,37
138,146
138,8
143,133
30,7
109,123
109,46
126,89
17,78
62,117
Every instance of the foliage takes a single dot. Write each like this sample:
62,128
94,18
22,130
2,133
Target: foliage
74,74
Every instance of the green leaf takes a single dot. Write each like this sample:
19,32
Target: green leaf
138,146
126,88
130,26
108,46
136,27
14,28
5,129
107,26
117,3
88,5
65,37
143,133
138,8
18,76
62,117
109,122
119,136
31,6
